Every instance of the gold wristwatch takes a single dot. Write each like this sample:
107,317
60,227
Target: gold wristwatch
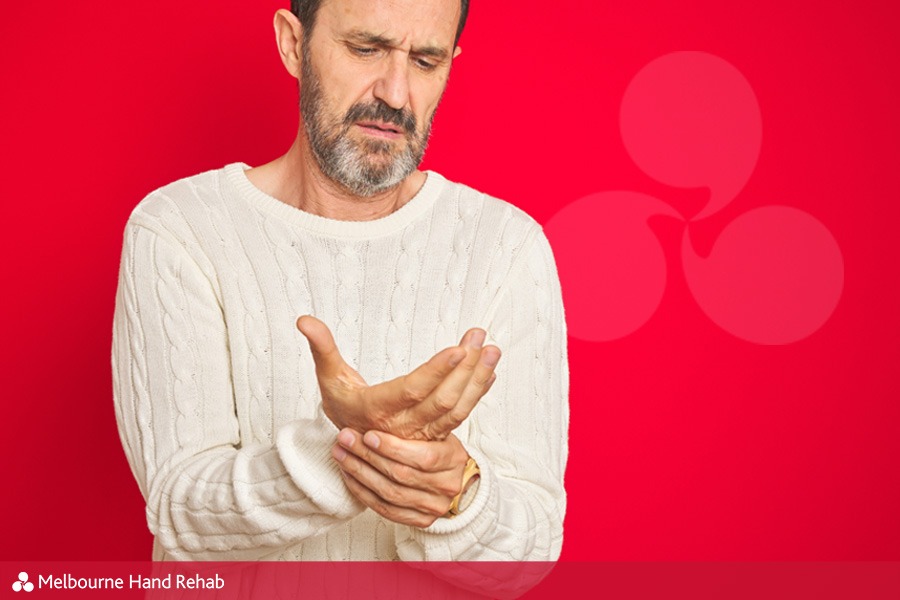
461,501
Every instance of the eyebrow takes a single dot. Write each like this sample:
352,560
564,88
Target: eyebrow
374,39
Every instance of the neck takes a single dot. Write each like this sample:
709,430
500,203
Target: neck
296,179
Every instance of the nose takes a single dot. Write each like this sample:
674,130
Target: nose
392,86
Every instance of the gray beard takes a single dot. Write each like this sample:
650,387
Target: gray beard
366,168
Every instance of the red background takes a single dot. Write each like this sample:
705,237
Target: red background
686,443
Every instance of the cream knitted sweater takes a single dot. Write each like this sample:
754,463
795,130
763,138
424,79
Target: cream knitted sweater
216,397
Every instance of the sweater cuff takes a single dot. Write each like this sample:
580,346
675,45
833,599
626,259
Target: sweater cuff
305,449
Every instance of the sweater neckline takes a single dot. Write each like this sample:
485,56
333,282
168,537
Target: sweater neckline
421,202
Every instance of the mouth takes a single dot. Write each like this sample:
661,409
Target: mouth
380,129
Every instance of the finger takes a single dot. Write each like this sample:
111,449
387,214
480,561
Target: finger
329,362
388,490
428,456
440,483
481,381
421,381
414,387
457,398
445,396
397,514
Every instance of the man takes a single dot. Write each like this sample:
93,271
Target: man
248,431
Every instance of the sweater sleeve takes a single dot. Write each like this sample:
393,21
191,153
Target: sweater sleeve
518,433
208,496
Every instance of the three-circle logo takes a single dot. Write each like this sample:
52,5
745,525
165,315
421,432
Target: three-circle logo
22,584
774,274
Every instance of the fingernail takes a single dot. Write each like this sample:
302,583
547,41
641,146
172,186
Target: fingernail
345,437
476,339
456,358
371,440
338,453
490,359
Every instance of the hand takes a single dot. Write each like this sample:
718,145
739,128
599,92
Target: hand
426,404
412,482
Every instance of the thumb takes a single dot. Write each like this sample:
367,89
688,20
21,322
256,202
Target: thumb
325,352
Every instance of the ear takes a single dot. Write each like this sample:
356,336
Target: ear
289,37
457,51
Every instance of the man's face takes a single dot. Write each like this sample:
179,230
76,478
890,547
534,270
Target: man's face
373,73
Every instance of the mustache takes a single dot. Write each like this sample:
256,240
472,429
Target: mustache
379,111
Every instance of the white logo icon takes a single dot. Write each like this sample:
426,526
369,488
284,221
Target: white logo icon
23,583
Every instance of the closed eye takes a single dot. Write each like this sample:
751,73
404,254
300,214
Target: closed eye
363,50
425,65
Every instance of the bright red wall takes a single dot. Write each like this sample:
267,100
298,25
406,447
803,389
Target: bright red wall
687,440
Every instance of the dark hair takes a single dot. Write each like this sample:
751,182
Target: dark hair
306,10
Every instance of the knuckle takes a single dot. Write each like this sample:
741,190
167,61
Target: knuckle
401,473
450,422
412,395
444,401
450,488
428,460
481,378
437,508
424,506
391,494
456,417
468,367
350,465
364,453
425,520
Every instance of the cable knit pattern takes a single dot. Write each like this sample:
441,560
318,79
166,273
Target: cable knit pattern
216,398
